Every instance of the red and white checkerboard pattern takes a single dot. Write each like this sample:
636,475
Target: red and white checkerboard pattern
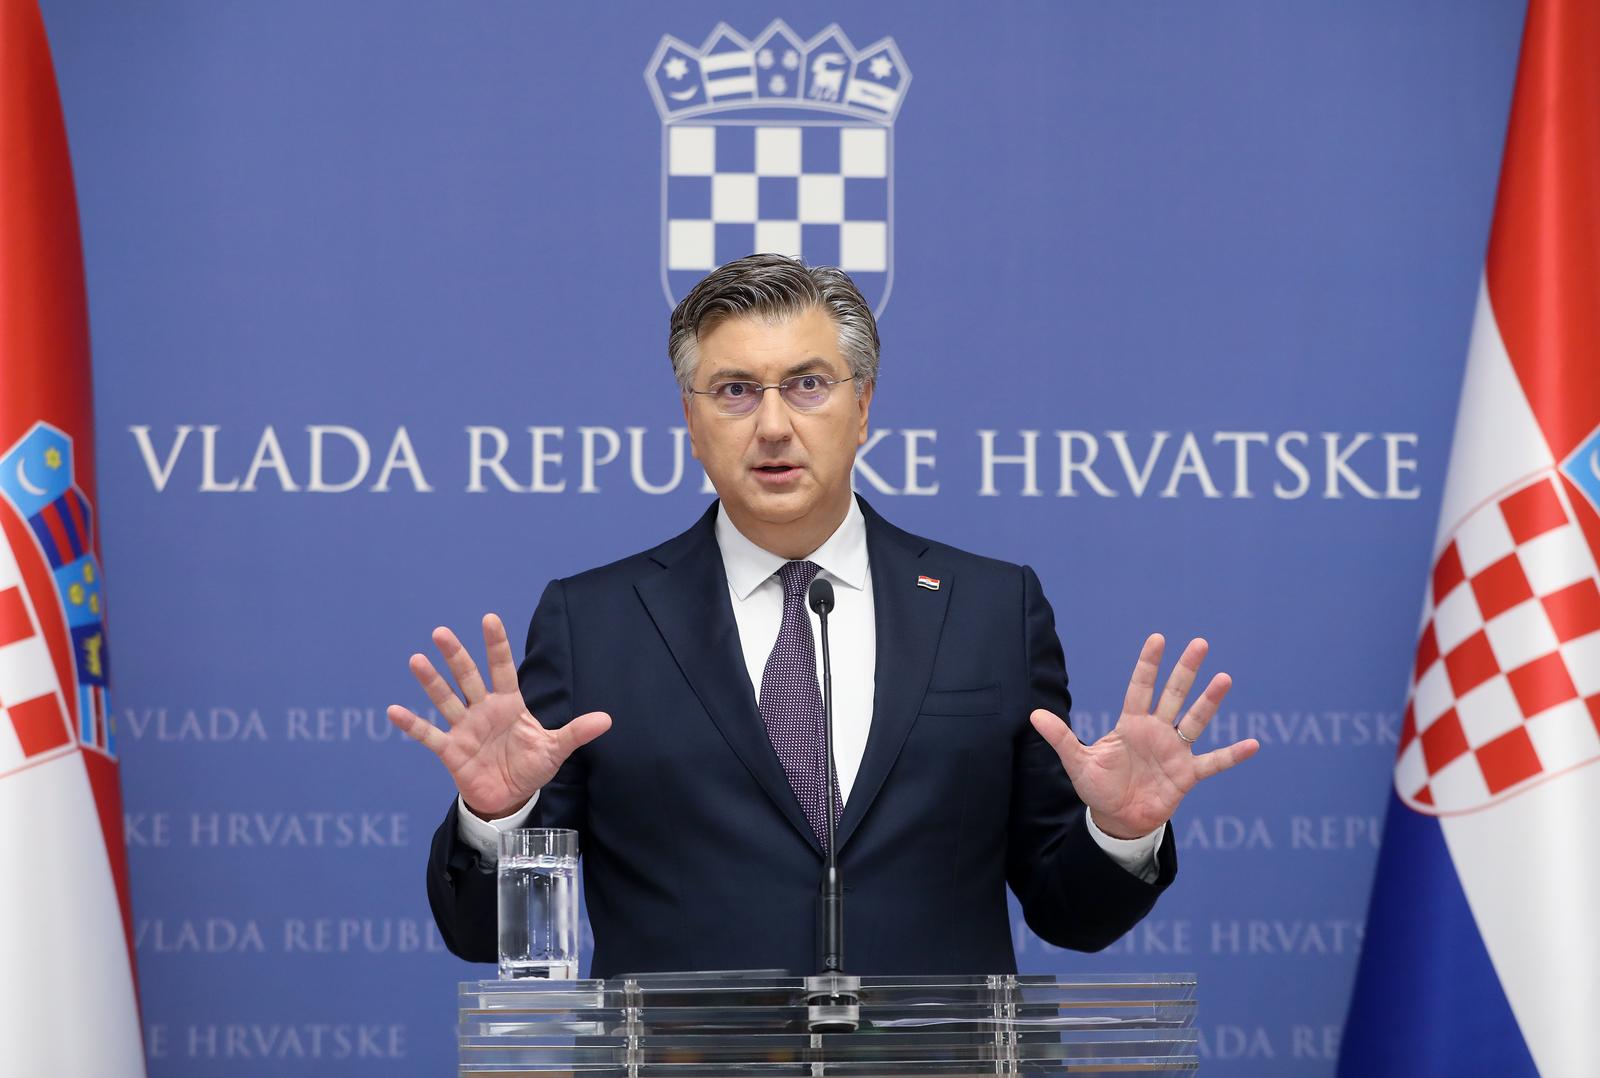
33,717
1506,686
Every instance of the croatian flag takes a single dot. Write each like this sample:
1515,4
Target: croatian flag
68,1002
1482,949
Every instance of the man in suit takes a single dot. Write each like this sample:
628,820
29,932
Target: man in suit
702,809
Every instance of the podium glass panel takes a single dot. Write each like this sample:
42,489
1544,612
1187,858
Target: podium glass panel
775,1024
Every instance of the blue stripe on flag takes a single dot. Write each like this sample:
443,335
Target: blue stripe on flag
1427,1000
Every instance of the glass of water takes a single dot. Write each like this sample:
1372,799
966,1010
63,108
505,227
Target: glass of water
538,876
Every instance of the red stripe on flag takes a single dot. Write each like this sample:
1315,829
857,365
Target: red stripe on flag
39,724
14,621
1543,265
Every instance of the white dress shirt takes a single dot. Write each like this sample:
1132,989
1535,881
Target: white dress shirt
757,596
756,593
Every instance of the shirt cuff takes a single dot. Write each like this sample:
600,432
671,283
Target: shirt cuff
1137,855
484,835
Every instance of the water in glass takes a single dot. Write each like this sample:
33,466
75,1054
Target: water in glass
539,916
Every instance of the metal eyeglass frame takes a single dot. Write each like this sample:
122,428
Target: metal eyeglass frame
760,389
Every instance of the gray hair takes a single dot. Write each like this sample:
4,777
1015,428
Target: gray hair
774,288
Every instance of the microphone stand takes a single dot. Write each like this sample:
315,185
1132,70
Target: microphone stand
833,997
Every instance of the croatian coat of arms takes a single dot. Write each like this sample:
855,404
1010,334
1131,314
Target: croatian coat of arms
777,145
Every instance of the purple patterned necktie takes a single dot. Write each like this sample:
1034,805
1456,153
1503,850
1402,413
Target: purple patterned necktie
791,701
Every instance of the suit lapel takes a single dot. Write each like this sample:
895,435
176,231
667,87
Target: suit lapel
688,601
909,620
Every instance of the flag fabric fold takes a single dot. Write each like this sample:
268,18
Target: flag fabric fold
1482,949
68,998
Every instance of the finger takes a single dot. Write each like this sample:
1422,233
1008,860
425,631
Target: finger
438,689
462,668
502,664
1200,715
415,726
1180,681
1057,733
580,731
1219,760
1142,686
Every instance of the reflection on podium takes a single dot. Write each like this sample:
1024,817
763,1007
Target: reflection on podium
760,1023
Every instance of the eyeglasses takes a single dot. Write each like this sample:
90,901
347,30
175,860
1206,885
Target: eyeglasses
802,392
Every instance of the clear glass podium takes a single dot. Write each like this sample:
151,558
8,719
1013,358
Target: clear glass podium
779,1025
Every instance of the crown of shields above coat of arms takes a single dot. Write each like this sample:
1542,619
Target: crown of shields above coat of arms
777,145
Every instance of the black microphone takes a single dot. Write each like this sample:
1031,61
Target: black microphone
820,598
834,1003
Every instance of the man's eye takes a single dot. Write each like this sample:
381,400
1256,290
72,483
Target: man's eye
810,383
733,389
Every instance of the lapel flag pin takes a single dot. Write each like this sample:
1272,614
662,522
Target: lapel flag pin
929,582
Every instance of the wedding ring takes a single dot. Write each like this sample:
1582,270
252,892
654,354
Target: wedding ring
1178,729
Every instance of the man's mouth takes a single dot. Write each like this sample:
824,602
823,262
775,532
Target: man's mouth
776,471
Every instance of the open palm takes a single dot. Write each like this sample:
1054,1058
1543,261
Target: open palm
495,750
1134,777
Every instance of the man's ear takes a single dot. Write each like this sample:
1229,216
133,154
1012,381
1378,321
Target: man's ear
864,402
688,423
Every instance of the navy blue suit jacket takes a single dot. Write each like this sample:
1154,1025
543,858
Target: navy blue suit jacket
695,852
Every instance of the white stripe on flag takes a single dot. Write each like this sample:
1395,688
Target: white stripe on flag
1531,887
62,945
1498,441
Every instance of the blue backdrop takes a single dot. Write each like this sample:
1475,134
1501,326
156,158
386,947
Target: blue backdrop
1180,299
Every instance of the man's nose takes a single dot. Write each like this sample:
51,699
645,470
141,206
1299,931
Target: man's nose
773,418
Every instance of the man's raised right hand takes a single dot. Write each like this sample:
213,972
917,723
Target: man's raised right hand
495,750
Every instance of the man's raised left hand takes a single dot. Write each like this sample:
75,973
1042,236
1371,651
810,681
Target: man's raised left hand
1133,778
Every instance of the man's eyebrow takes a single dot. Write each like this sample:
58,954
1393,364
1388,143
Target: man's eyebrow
808,365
